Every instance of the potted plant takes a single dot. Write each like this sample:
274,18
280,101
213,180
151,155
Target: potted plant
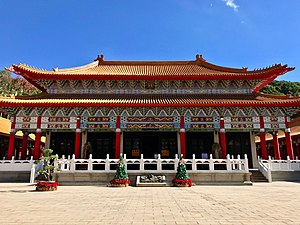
182,178
121,176
45,174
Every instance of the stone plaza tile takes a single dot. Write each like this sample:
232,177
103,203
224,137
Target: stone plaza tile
268,203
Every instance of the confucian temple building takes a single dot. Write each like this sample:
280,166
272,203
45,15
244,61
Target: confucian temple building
150,108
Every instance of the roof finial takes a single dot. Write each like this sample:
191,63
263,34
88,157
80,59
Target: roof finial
100,58
199,57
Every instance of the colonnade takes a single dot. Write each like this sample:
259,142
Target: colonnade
288,141
118,149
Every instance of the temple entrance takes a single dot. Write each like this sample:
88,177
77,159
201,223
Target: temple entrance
102,143
62,143
199,143
238,143
150,144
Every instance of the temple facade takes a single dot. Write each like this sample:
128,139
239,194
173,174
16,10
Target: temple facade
150,108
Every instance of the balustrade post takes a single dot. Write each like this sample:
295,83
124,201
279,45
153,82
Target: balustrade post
159,166
90,163
72,163
228,163
125,162
194,166
246,166
239,162
142,163
270,163
56,162
32,174
176,162
289,164
211,163
107,166
233,162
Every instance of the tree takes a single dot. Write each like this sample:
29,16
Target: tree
15,86
182,178
121,177
282,88
121,172
48,164
181,171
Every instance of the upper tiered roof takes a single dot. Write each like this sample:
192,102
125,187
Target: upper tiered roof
197,69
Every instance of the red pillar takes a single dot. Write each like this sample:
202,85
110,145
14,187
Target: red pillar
12,136
182,137
118,137
24,145
276,146
298,151
77,139
223,137
262,135
288,140
38,135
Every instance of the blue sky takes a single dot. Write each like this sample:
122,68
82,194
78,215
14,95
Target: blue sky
233,33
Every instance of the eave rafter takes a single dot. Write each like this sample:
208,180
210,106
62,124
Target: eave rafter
258,100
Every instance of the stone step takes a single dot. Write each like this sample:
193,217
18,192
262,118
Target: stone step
257,176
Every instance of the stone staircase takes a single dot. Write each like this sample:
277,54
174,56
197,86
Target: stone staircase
257,176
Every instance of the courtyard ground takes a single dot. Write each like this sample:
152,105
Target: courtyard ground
262,203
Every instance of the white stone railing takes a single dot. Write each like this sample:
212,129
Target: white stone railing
281,165
16,165
266,166
158,165
265,170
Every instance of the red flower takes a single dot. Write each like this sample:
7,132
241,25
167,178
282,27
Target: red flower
122,181
46,184
187,181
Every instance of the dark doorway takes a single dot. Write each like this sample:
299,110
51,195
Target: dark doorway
62,143
150,144
199,143
238,143
103,143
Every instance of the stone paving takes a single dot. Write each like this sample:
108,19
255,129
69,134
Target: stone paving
262,203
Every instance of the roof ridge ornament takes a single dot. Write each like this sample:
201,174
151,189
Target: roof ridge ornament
199,57
100,59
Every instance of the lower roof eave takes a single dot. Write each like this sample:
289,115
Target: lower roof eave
176,105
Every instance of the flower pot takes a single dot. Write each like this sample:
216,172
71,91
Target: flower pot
120,185
46,186
181,184
119,182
